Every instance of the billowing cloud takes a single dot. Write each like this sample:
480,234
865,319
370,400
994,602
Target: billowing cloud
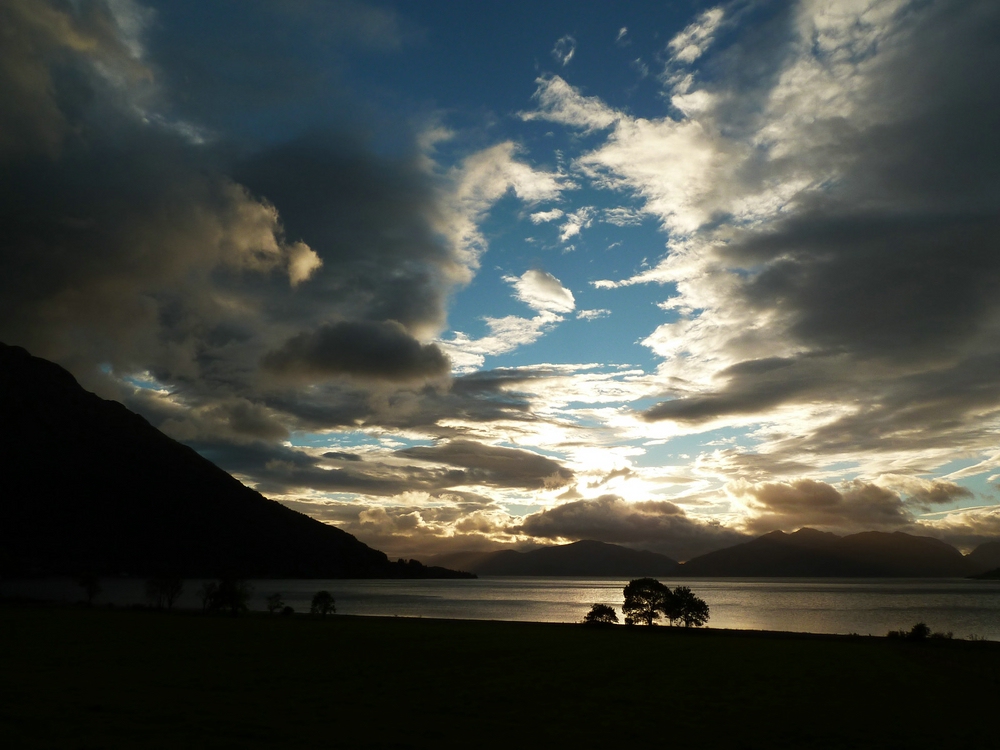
818,505
657,525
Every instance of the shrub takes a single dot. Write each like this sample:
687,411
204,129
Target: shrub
323,604
601,614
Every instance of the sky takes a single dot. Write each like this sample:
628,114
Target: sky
467,276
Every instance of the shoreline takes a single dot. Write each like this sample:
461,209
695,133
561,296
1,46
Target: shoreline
692,632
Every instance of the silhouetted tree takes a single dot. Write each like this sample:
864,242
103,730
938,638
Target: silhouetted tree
645,599
90,584
207,593
287,611
275,602
683,605
919,632
323,604
231,595
163,591
601,614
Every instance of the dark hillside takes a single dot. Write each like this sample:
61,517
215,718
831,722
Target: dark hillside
87,485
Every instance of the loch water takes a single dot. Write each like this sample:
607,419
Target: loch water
814,605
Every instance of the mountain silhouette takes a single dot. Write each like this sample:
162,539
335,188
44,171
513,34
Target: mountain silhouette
87,485
816,554
583,558
985,557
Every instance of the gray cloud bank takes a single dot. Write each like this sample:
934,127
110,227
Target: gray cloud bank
134,240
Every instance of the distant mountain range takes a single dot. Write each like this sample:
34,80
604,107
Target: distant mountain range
585,558
805,553
88,486
812,553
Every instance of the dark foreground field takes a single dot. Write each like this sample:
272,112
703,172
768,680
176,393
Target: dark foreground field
96,678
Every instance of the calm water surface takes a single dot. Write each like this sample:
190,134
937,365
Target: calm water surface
865,606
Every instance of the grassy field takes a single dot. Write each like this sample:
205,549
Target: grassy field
99,678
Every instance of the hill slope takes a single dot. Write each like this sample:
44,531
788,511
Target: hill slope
811,553
87,485
583,558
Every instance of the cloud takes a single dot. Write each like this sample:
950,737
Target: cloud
622,217
592,314
560,102
967,528
541,217
362,349
564,50
506,334
925,493
538,289
495,465
692,42
657,525
579,219
859,506
827,264
424,526
542,291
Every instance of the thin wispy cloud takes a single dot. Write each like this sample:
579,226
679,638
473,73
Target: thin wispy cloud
564,50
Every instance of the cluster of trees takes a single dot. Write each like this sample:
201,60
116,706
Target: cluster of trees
919,632
646,600
228,595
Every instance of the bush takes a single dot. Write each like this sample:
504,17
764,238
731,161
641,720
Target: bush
275,603
919,632
601,614
323,604
230,595
162,591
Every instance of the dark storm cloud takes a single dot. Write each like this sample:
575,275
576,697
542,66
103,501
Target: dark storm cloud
46,70
135,240
657,525
884,281
227,80
370,220
496,466
363,349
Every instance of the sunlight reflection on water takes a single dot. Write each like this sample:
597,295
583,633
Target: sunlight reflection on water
865,606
